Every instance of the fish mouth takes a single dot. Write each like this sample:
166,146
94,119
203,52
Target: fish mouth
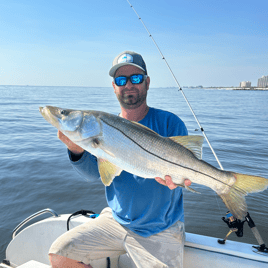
62,119
42,111
51,111
49,116
45,112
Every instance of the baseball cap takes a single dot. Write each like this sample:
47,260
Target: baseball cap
128,58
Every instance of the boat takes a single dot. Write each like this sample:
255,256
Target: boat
30,244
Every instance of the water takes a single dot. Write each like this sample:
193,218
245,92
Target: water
35,172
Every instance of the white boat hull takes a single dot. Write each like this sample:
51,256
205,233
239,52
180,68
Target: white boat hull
30,248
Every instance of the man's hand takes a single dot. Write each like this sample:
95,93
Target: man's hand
169,183
70,145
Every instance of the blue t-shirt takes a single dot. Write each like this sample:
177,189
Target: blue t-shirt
142,205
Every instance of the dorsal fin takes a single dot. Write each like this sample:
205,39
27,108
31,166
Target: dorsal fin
193,143
140,125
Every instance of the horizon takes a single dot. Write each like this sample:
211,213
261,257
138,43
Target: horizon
167,87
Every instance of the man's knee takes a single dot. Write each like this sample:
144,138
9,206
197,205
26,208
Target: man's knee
58,261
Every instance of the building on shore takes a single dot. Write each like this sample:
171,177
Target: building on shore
245,84
263,81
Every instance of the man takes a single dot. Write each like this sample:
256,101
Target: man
145,217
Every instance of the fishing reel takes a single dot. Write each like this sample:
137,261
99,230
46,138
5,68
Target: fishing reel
235,226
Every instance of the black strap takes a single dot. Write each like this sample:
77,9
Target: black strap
75,157
80,212
108,262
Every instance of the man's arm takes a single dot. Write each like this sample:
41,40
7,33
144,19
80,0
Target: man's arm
72,147
82,161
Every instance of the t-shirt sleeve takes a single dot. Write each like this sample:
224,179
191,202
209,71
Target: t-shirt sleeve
86,166
176,127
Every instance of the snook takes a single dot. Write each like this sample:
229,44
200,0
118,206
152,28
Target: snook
120,144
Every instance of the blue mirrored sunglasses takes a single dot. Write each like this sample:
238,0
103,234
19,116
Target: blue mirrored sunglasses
134,79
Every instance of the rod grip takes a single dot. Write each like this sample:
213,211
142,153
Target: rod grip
257,235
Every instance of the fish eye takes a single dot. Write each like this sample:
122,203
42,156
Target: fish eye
63,112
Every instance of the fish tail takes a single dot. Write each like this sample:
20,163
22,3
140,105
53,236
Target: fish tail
235,198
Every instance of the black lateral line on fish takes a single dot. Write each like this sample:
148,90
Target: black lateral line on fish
240,190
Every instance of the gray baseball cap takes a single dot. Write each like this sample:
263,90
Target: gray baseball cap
128,58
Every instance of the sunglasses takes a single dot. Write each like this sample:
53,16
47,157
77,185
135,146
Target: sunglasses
134,79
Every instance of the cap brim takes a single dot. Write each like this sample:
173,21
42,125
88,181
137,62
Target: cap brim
114,68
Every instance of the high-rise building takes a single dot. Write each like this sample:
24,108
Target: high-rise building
245,84
263,81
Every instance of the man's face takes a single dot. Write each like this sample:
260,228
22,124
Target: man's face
131,96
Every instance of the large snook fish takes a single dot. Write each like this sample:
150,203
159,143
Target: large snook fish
120,144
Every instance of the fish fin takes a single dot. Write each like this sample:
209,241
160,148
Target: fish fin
136,123
235,199
108,171
191,190
180,185
192,142
187,188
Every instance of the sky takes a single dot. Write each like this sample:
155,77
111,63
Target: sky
73,43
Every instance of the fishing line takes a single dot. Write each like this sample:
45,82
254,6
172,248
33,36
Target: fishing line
180,89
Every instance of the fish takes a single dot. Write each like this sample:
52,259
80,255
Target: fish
120,144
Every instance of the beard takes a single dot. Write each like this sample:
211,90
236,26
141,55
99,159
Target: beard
132,98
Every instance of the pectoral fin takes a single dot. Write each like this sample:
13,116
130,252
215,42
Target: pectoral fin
108,171
188,188
191,190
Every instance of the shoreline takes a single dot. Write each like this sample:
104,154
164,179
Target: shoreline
240,88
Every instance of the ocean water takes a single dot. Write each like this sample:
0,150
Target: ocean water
35,172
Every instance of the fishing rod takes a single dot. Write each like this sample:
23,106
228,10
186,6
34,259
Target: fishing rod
180,89
234,224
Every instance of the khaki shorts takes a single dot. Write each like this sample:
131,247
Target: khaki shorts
104,237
